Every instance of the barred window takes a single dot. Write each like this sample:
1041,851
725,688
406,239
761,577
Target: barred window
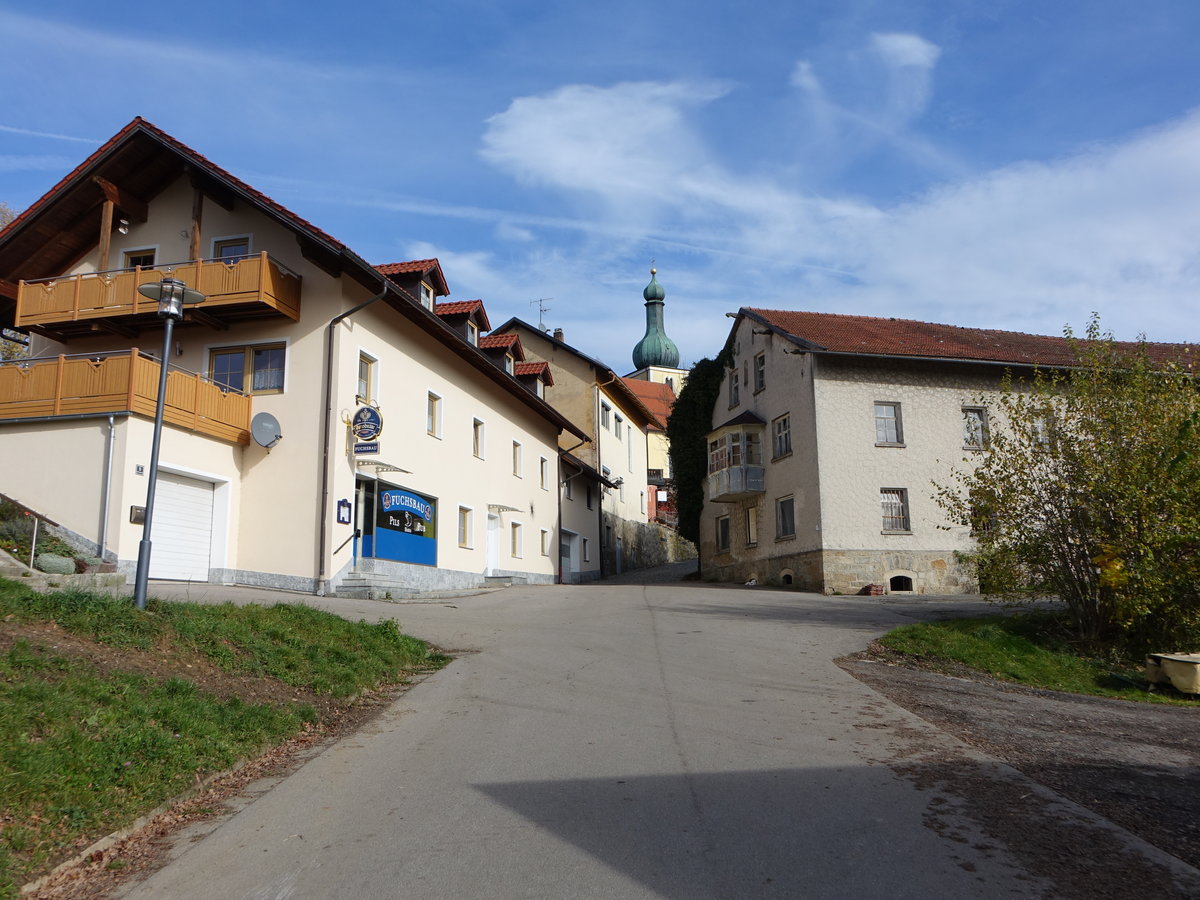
894,506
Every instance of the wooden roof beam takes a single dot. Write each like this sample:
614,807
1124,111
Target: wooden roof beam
198,315
221,195
134,207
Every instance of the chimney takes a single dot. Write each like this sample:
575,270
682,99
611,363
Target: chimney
558,334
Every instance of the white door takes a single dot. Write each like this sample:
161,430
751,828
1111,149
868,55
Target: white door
493,544
181,533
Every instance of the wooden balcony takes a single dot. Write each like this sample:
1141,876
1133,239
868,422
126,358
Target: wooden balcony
71,305
122,382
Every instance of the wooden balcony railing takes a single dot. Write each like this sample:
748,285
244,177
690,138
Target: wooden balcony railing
127,381
249,280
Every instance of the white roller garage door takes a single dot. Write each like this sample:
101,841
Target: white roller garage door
181,534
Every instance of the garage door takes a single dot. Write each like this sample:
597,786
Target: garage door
181,534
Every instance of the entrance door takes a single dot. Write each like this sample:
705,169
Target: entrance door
493,544
181,533
566,544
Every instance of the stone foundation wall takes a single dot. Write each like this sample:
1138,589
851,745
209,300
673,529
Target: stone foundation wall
848,571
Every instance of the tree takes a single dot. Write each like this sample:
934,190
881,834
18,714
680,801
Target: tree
687,431
1089,489
12,346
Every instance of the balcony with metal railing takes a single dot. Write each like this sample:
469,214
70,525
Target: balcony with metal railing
246,287
117,383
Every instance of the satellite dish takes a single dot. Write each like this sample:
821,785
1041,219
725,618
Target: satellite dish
264,428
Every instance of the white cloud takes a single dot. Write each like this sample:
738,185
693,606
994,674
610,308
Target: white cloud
905,50
35,163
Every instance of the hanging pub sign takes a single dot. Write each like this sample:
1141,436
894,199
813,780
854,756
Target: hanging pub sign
405,527
366,426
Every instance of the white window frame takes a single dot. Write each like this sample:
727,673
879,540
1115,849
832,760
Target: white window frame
545,542
618,421
372,381
517,460
466,527
881,424
433,414
895,511
544,472
781,436
218,242
516,539
587,550
478,439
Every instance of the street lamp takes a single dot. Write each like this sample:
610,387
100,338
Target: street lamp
172,295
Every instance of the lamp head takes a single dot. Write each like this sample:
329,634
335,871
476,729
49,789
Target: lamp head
172,295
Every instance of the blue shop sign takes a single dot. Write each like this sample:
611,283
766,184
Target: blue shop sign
367,424
405,528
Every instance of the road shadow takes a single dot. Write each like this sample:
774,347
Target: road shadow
978,830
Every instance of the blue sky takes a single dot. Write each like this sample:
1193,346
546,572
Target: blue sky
1007,164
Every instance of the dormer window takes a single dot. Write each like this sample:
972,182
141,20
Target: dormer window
472,333
539,388
509,363
426,296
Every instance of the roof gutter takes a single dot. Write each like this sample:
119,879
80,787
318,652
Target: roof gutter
322,522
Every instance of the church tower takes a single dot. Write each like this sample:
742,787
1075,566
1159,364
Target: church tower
656,358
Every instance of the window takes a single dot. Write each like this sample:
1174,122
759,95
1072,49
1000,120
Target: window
894,505
722,533
643,501
477,438
1043,432
781,429
760,372
545,542
568,487
472,333
539,388
509,363
733,387
606,416
143,258
516,540
669,382
433,415
544,472
252,370
975,427
739,448
629,447
587,550
887,424
517,458
464,526
426,296
752,526
785,517
232,249
589,497
365,390
619,423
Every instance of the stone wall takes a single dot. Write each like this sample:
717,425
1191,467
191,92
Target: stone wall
642,545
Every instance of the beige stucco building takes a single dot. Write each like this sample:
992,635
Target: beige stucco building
406,459
829,434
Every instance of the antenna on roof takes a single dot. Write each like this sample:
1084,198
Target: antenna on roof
542,307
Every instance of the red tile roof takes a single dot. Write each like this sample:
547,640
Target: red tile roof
491,341
464,307
418,267
875,336
656,397
541,369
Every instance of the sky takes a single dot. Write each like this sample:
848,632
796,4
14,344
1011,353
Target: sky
1010,164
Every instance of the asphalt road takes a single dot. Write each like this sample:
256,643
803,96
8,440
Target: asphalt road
617,742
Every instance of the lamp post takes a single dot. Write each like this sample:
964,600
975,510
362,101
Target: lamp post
172,295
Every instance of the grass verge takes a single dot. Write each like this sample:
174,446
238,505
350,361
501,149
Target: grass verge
1027,648
106,711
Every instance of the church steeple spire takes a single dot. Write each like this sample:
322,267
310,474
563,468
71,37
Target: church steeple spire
655,348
